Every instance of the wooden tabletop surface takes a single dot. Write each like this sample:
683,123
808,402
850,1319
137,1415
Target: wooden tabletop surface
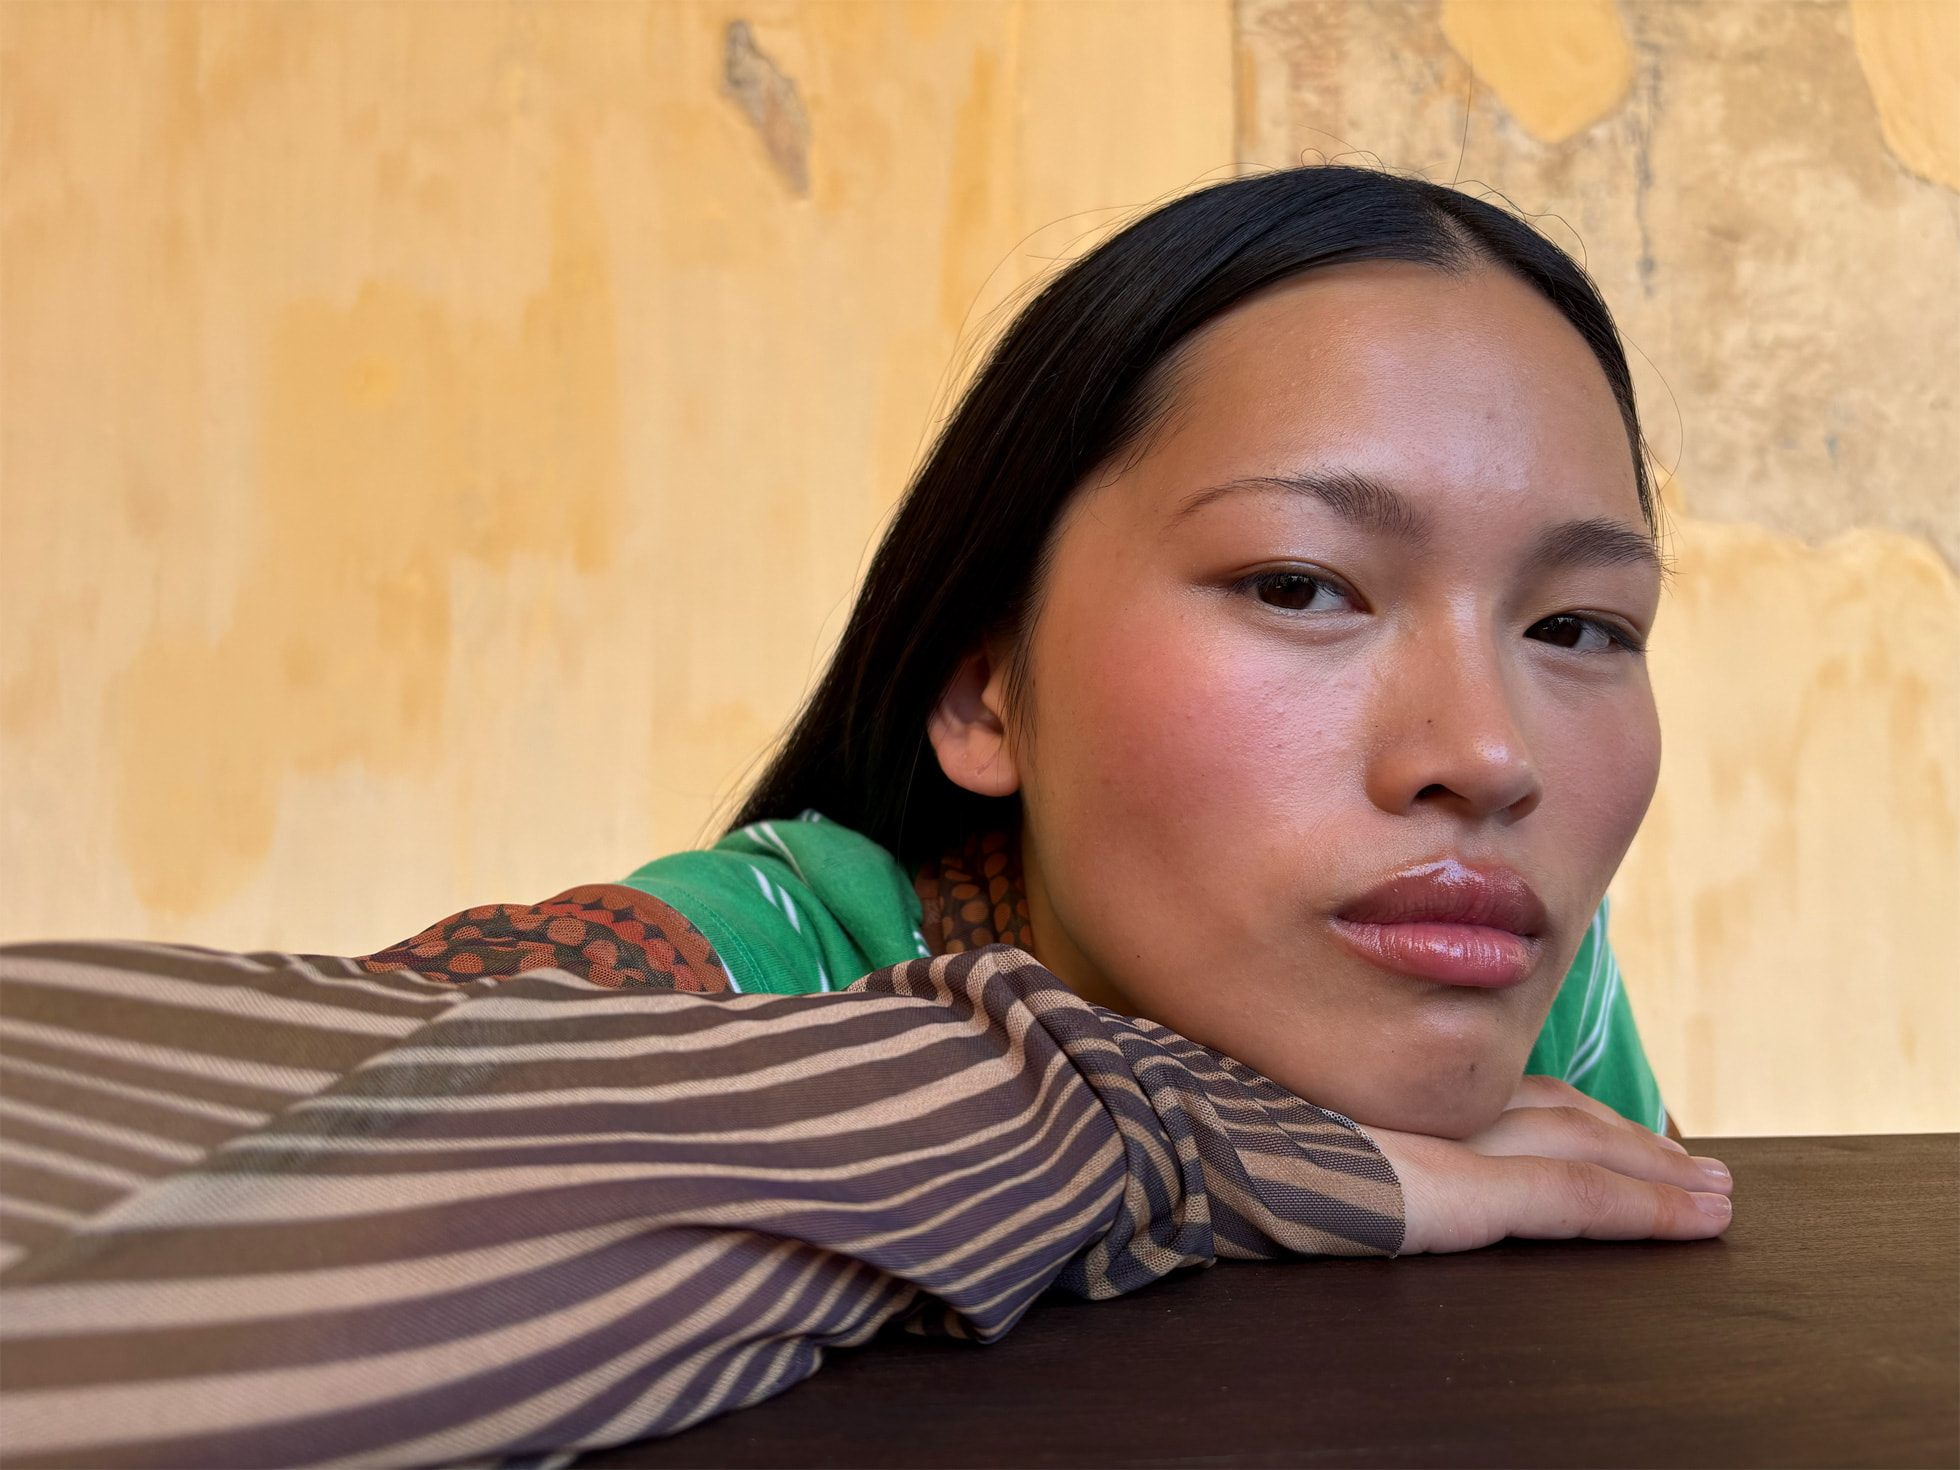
1823,1330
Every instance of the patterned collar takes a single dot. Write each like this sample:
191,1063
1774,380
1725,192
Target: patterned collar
974,896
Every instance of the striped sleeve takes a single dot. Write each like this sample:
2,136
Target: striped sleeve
314,1215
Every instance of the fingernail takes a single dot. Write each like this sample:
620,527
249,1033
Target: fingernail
1714,1169
1665,1142
1716,1205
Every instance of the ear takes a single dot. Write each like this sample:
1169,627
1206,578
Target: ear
968,727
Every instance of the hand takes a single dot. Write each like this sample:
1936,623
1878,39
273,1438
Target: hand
1556,1165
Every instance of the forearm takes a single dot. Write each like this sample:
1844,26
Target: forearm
557,1217
562,1217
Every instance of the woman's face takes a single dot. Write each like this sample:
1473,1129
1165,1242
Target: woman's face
1338,724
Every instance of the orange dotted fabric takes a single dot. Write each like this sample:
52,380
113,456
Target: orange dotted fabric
974,896
609,934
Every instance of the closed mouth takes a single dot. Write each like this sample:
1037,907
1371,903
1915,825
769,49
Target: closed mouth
1450,923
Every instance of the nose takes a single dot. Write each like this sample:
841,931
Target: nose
1447,734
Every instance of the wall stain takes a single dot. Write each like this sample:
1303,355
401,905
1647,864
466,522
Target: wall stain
397,440
768,98
1558,66
1641,119
1909,51
1720,208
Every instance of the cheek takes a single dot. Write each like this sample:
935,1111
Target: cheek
1607,757
1169,718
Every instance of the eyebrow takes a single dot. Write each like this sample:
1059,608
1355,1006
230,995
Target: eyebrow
1373,506
1353,497
1594,543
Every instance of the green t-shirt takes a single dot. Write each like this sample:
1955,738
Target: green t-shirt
797,907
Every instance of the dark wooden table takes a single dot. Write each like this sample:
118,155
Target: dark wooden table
1824,1330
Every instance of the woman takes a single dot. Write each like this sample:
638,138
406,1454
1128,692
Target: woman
1257,654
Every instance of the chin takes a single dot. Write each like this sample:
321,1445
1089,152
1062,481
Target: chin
1439,1118
1445,1066
1450,1097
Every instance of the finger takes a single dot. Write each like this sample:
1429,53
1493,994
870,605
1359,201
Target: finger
1579,1135
1458,1200
1550,1092
1557,1199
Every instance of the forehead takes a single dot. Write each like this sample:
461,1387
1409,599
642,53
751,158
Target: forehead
1465,393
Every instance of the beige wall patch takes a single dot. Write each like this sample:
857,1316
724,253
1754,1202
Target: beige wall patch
1910,52
1558,66
1785,916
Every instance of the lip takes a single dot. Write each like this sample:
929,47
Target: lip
1450,923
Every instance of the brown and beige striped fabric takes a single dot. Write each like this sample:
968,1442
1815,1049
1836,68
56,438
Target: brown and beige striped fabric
279,1210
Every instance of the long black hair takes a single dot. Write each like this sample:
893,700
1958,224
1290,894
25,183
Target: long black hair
1069,385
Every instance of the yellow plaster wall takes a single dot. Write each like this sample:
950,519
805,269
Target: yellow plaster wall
1765,191
1786,916
1910,52
1558,66
437,442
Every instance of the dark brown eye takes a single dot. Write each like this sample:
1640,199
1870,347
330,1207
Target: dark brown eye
1563,631
1568,630
1291,590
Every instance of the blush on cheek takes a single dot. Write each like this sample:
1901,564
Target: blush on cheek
1198,737
1182,780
